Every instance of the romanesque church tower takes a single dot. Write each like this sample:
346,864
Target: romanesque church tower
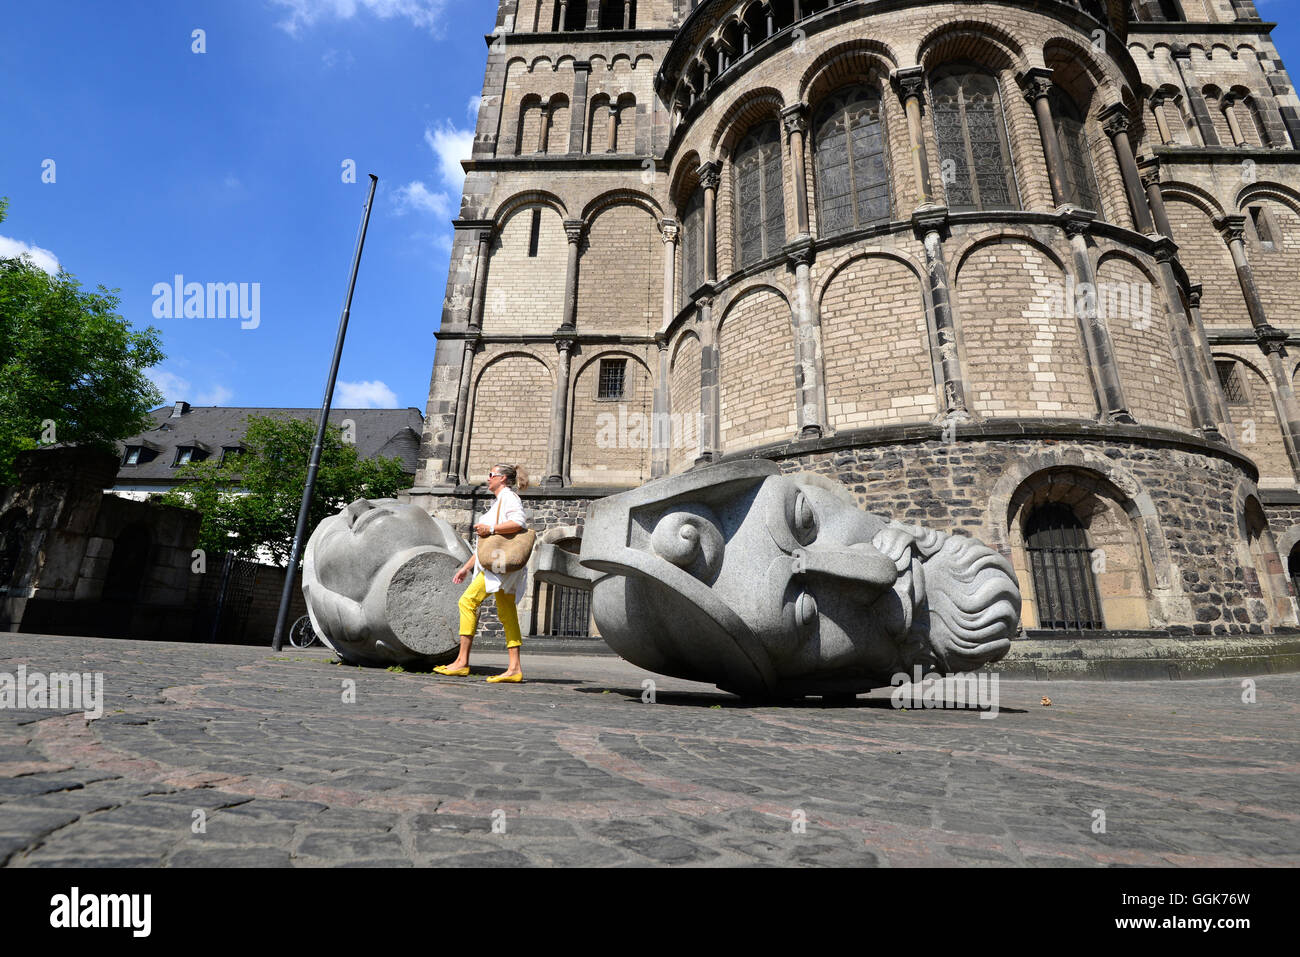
1023,269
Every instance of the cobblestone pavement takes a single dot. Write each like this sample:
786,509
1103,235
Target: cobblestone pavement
211,755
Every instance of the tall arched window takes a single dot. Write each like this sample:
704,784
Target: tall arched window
1061,564
975,162
693,243
849,150
759,200
1078,154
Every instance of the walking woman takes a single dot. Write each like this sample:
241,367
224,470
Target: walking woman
504,517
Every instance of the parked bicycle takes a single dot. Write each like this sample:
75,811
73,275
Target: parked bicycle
302,634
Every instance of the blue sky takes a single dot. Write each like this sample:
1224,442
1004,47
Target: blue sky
226,166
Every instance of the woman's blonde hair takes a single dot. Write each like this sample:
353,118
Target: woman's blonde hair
516,477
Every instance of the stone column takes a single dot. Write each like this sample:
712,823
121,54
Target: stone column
1037,84
578,106
661,431
669,235
1271,340
1207,357
710,384
910,84
1115,122
1162,122
1101,353
574,229
613,127
469,347
1229,114
559,409
1199,401
810,382
564,14
1182,57
1149,169
771,18
929,224
795,119
627,14
480,279
710,176
543,139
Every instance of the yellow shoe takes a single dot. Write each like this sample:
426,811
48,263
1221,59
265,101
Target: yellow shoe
512,679
458,673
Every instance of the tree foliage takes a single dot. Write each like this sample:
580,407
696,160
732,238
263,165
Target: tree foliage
67,359
272,471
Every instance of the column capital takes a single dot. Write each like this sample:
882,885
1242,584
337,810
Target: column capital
1228,99
929,219
703,297
1158,97
661,341
1076,221
1036,82
1114,119
1270,339
564,342
1231,227
484,236
581,66
1194,294
669,230
1165,250
795,118
711,175
1180,51
1149,170
800,252
909,82
575,229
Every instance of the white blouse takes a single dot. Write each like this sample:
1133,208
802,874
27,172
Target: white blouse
507,508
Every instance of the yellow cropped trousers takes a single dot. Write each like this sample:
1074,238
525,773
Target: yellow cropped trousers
473,597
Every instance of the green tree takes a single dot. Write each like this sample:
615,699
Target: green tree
69,361
272,470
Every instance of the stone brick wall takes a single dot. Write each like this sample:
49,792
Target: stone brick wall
684,403
526,293
511,420
757,371
624,252
610,438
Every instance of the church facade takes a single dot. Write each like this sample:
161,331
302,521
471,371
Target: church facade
1016,269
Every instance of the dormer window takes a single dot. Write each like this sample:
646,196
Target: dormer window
132,456
185,454
230,454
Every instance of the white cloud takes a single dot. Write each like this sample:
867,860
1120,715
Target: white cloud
450,145
42,259
472,107
426,14
217,395
365,395
416,197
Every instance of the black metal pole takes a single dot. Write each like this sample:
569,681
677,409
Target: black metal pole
313,466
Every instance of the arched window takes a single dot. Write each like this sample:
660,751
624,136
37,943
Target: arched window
693,243
759,199
849,151
1079,177
1060,562
974,159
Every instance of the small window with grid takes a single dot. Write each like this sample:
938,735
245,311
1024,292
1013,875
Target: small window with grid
612,375
1234,389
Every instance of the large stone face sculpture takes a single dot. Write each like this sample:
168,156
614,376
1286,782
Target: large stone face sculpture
766,584
377,578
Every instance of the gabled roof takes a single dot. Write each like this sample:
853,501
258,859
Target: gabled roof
390,433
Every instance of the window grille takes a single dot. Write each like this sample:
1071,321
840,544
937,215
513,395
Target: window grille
1060,562
1234,389
612,372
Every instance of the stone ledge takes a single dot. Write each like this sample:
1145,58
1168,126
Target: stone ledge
1128,658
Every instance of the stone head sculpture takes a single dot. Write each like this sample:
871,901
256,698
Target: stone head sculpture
770,584
377,579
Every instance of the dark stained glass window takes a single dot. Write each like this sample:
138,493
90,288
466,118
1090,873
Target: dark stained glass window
974,160
760,204
849,150
693,243
1078,154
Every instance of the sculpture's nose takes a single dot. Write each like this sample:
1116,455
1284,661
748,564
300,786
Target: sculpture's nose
860,564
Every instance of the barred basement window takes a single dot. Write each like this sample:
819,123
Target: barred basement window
1061,564
1080,181
1234,389
535,234
975,162
849,155
612,372
760,202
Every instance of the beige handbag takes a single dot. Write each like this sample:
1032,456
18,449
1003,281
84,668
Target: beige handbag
503,554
